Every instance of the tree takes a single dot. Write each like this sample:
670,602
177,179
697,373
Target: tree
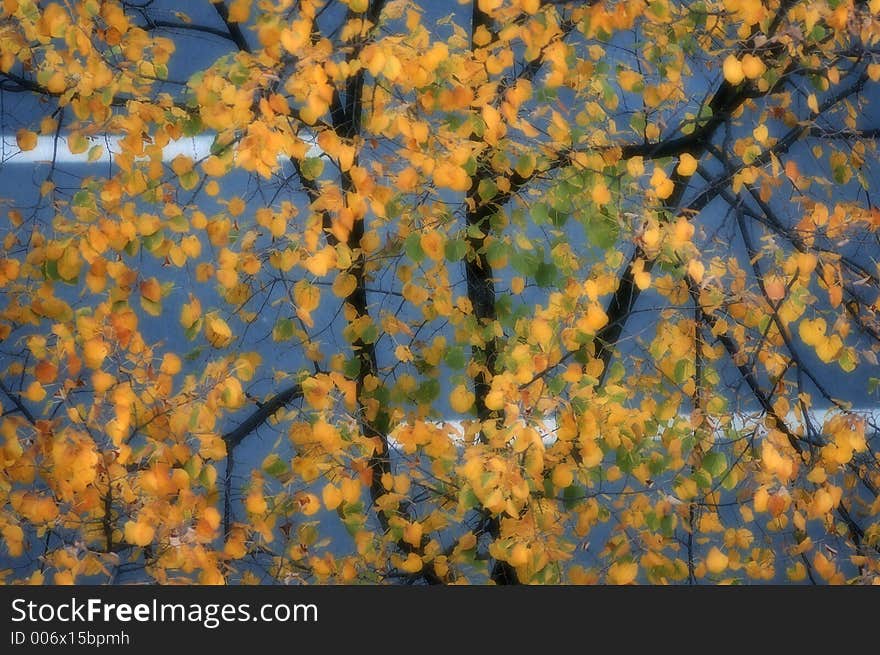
513,290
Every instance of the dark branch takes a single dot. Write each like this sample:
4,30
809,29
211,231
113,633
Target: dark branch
235,33
153,24
261,415
20,406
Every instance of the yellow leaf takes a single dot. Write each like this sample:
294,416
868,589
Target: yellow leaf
821,504
35,392
13,537
217,331
351,490
761,134
344,285
236,206
629,79
595,318
296,36
461,399
321,262
761,499
752,66
151,290
663,186
101,381
232,394
332,496
812,331
412,563
641,277
519,555
488,6
255,503
562,476
621,573
412,533
26,139
239,11
453,177
824,566
733,70
716,561
687,165
812,103
235,547
696,269
432,243
190,312
600,194
139,533
828,348
212,517
63,578
309,504
181,164
306,297
94,352
214,166
171,364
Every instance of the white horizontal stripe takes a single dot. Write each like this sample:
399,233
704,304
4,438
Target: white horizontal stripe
547,430
198,147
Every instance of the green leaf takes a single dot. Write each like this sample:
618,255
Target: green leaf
525,262
193,330
546,275
497,250
192,126
558,218
682,371
370,333
455,250
626,460
413,247
847,360
428,391
83,198
703,479
312,167
189,180
455,358
50,270
540,213
715,463
602,232
283,330
572,495
193,354
275,466
352,368
487,190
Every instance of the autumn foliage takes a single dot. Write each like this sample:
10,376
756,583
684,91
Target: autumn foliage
512,291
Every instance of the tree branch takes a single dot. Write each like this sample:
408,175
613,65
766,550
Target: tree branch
153,24
235,33
261,415
20,406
